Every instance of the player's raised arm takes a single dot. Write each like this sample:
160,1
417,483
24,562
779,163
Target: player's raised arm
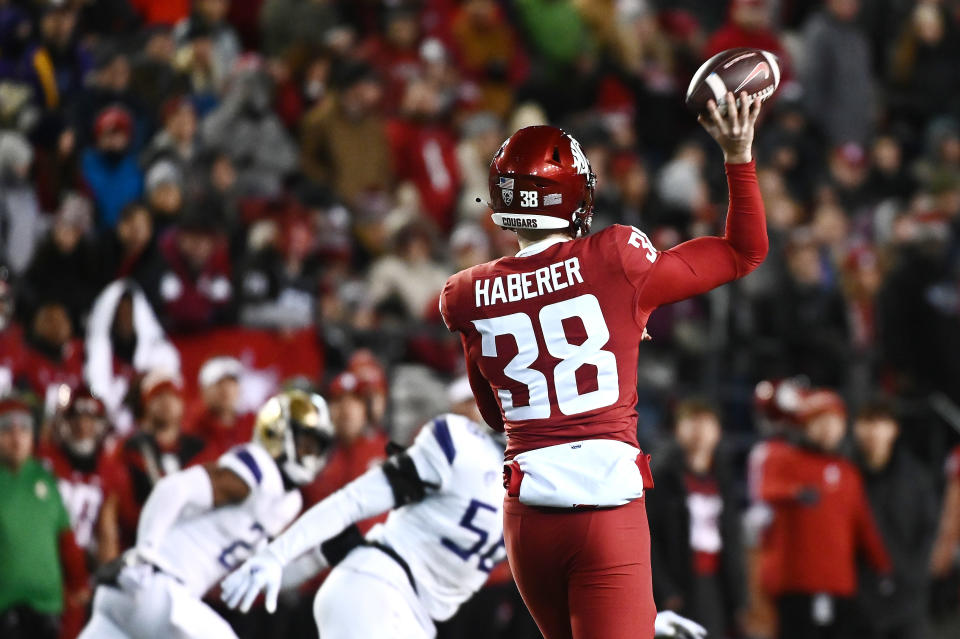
702,264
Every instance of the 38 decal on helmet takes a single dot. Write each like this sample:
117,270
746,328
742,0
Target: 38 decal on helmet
541,179
295,429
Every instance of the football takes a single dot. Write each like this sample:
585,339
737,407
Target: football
736,70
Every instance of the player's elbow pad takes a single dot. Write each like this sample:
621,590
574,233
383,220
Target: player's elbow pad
335,549
404,480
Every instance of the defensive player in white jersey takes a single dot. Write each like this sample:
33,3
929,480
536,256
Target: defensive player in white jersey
202,522
436,549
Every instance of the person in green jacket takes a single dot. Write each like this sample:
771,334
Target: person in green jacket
36,544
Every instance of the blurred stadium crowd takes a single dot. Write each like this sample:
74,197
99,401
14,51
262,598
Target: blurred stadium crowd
203,200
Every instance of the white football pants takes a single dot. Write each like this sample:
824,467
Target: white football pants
368,596
152,605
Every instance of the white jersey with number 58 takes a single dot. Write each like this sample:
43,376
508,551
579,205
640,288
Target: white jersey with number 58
454,537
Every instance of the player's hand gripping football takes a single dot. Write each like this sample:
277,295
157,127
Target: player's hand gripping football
261,573
670,624
734,130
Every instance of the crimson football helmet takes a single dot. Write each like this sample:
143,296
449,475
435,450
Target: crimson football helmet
541,179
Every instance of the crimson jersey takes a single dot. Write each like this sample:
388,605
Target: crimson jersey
796,554
83,490
44,376
552,335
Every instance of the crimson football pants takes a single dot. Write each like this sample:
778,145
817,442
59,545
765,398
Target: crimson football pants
584,574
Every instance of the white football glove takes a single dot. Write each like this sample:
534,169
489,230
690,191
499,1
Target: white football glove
670,624
261,573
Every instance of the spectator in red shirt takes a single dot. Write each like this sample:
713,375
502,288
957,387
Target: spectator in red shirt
424,151
373,378
359,445
748,25
221,424
695,500
395,54
167,12
821,522
195,289
81,457
88,479
53,356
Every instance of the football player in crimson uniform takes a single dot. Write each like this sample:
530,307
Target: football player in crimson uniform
551,342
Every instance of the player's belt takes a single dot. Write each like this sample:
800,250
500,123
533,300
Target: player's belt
393,554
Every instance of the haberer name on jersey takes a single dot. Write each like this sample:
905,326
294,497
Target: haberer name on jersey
523,286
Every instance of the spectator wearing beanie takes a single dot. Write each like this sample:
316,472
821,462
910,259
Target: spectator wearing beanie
359,444
222,423
165,196
821,521
20,215
110,168
107,84
158,448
